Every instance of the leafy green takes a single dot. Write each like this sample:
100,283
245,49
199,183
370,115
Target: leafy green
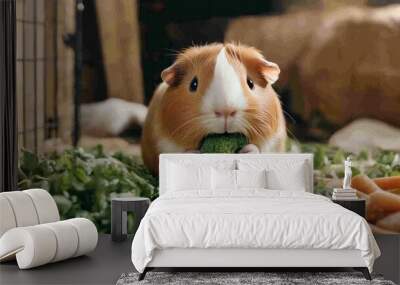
329,164
223,143
82,182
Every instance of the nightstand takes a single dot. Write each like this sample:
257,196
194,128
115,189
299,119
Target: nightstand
119,209
357,205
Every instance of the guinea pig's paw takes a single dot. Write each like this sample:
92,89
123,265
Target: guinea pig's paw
250,148
192,151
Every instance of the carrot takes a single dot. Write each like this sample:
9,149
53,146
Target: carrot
387,183
395,191
391,222
364,184
379,230
386,201
374,212
362,195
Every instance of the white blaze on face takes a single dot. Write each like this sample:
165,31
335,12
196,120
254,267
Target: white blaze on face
225,90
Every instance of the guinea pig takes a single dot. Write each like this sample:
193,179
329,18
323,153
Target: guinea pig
216,88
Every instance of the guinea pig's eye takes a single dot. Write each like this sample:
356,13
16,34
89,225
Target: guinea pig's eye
193,84
250,83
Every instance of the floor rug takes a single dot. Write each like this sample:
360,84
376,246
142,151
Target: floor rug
243,278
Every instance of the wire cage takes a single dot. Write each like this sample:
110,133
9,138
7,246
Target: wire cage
46,82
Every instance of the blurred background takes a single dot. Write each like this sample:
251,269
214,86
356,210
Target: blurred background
339,60
84,63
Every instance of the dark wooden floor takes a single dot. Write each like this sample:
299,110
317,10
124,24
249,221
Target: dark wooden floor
111,259
103,266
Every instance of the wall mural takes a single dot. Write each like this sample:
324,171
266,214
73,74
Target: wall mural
158,77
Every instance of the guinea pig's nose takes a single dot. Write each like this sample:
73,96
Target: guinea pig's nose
227,112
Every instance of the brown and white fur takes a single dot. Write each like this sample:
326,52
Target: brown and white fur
180,117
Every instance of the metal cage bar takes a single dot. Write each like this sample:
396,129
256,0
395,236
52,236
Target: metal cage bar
38,55
8,135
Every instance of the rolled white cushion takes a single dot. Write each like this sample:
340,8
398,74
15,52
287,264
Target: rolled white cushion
33,246
23,208
87,234
41,244
7,218
45,205
67,240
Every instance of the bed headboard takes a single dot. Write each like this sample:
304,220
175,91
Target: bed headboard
192,158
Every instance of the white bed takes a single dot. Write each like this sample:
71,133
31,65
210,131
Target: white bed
228,226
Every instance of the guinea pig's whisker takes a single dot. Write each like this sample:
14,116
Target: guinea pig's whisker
193,133
201,119
257,130
251,129
243,126
272,120
182,126
208,122
269,124
264,126
254,132
172,52
290,117
261,124
264,118
292,135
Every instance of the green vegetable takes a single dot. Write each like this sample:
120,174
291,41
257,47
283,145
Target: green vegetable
328,164
223,143
83,182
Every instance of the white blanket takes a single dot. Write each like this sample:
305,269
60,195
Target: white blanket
250,219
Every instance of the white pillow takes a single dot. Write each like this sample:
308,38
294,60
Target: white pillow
282,174
223,179
251,178
227,179
294,180
181,177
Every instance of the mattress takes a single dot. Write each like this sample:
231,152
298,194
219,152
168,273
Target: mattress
255,257
250,219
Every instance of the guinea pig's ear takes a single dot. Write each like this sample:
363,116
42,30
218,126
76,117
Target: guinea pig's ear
172,75
270,70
